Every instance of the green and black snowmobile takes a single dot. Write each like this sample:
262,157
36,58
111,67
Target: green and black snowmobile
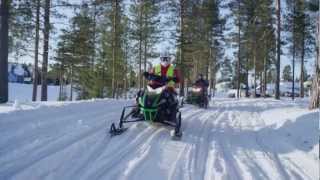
154,105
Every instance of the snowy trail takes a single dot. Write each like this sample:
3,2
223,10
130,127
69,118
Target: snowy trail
232,139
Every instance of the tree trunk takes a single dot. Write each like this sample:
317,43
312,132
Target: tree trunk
239,55
255,69
265,70
181,51
293,69
44,88
4,50
115,9
71,83
302,66
140,47
145,62
36,54
277,86
315,96
293,52
247,78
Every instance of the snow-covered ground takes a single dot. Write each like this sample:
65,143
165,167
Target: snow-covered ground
232,139
23,92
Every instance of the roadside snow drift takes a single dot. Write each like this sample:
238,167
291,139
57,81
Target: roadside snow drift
232,139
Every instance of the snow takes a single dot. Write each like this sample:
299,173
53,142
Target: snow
232,139
23,92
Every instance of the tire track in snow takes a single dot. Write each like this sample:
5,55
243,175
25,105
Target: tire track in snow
115,159
183,156
223,124
163,150
12,168
138,160
192,158
97,151
202,145
134,165
274,156
49,127
24,148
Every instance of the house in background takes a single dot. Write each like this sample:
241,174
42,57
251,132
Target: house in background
19,73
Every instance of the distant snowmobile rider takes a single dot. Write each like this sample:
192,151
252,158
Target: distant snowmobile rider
201,81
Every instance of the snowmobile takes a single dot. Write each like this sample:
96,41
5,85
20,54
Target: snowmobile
154,106
199,96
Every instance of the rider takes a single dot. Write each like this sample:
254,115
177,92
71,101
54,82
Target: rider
166,70
201,81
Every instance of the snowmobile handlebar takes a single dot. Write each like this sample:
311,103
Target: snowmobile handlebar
162,79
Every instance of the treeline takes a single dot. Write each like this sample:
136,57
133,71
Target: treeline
107,44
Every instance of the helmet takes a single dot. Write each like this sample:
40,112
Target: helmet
165,58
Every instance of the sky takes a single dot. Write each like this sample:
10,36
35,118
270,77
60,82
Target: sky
165,44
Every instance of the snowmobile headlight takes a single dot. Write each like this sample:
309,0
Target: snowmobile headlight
196,89
155,91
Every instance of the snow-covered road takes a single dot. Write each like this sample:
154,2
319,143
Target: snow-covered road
232,139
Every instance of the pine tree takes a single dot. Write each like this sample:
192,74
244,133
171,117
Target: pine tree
145,19
21,27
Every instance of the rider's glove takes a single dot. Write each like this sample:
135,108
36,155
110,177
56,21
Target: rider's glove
174,79
146,74
164,79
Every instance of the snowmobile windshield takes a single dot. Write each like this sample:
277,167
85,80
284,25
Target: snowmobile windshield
157,90
196,89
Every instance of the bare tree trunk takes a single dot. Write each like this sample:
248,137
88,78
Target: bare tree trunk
315,96
94,35
4,49
210,69
302,67
61,91
265,71
71,83
44,86
36,54
145,61
293,69
277,88
239,53
140,83
115,9
181,52
255,69
247,77
293,52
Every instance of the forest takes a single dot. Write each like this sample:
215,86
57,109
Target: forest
102,47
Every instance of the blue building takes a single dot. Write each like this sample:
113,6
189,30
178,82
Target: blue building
19,73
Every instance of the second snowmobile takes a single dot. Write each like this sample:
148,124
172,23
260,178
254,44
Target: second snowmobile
198,95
